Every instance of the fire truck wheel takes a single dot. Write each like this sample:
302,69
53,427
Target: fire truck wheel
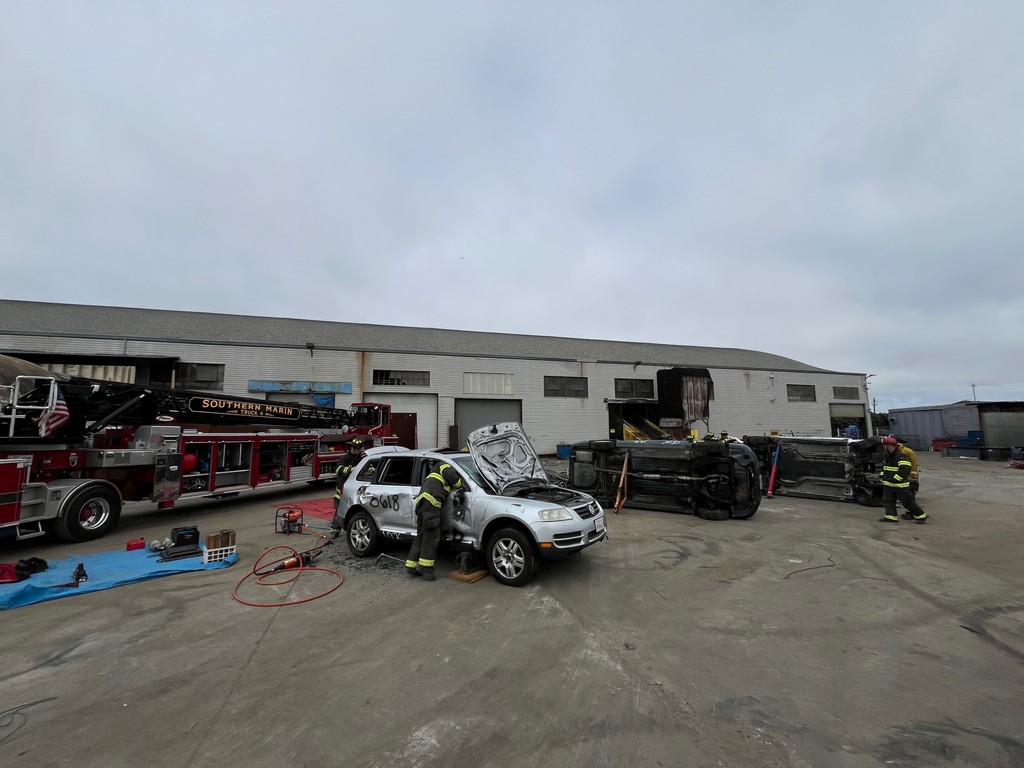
362,535
90,513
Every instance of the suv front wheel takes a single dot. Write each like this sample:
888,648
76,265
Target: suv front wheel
511,558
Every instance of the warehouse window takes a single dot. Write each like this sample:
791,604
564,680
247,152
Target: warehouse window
801,393
487,383
204,376
634,388
565,386
846,393
402,378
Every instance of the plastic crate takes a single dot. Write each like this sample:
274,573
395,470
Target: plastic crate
218,554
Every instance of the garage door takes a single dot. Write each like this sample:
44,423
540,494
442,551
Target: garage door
846,410
473,414
425,408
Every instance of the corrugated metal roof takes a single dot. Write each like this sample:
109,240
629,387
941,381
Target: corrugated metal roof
77,320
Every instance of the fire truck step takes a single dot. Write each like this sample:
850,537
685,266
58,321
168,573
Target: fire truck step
30,530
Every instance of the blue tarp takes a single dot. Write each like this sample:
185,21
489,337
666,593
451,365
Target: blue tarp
104,570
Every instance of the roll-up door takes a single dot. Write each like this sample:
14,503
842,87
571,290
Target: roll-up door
471,414
846,410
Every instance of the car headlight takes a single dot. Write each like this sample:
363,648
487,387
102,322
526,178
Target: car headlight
552,515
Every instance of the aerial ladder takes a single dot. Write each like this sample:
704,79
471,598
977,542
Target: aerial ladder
73,450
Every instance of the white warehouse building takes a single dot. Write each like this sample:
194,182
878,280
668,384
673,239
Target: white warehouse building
444,383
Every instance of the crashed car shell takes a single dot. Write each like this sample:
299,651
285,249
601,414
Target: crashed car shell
508,511
713,480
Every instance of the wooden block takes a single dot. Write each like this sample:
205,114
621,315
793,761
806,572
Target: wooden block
468,578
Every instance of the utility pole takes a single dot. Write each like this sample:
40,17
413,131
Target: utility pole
974,394
874,405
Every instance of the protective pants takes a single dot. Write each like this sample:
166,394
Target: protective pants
891,495
428,534
336,520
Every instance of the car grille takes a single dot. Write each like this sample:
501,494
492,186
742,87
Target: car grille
587,510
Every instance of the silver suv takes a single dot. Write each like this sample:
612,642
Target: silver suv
509,511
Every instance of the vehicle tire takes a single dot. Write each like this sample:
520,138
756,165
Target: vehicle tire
866,498
747,513
584,476
709,513
511,558
602,445
89,513
362,535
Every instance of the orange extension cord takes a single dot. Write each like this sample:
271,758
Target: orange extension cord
262,571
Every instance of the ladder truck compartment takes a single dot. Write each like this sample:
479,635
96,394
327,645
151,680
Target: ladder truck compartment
73,451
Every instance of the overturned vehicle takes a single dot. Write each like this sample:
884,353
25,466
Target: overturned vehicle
713,480
833,468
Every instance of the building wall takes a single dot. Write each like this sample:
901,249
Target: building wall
960,418
756,402
920,427
746,401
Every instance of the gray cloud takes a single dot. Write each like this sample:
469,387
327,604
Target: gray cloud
836,184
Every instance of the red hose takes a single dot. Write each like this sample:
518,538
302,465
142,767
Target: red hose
290,574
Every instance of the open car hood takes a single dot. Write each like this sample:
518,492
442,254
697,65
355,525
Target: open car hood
503,454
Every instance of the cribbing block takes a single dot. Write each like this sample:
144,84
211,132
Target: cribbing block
468,578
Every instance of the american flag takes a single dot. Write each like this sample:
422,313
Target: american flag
54,417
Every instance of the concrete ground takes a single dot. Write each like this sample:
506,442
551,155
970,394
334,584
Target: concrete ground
810,635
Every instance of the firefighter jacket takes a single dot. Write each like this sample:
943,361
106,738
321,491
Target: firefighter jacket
438,485
895,470
914,474
345,465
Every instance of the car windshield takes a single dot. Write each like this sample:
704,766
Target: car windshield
465,462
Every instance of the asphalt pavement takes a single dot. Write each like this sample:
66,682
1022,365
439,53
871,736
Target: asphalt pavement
808,636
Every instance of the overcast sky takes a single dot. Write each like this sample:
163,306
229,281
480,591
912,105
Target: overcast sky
837,182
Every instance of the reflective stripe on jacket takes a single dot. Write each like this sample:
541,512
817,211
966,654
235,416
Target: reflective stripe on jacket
895,470
435,488
913,461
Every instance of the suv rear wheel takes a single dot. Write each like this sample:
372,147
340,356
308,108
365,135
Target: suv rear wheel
511,558
362,535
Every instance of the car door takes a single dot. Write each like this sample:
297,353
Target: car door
463,517
391,492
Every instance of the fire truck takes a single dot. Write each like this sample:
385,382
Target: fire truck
73,451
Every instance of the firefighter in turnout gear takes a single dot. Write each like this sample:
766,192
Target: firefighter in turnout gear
433,493
895,477
347,462
915,473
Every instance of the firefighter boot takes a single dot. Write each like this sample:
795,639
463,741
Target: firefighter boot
410,568
920,519
427,572
888,519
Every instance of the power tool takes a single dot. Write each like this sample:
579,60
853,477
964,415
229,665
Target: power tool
301,559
